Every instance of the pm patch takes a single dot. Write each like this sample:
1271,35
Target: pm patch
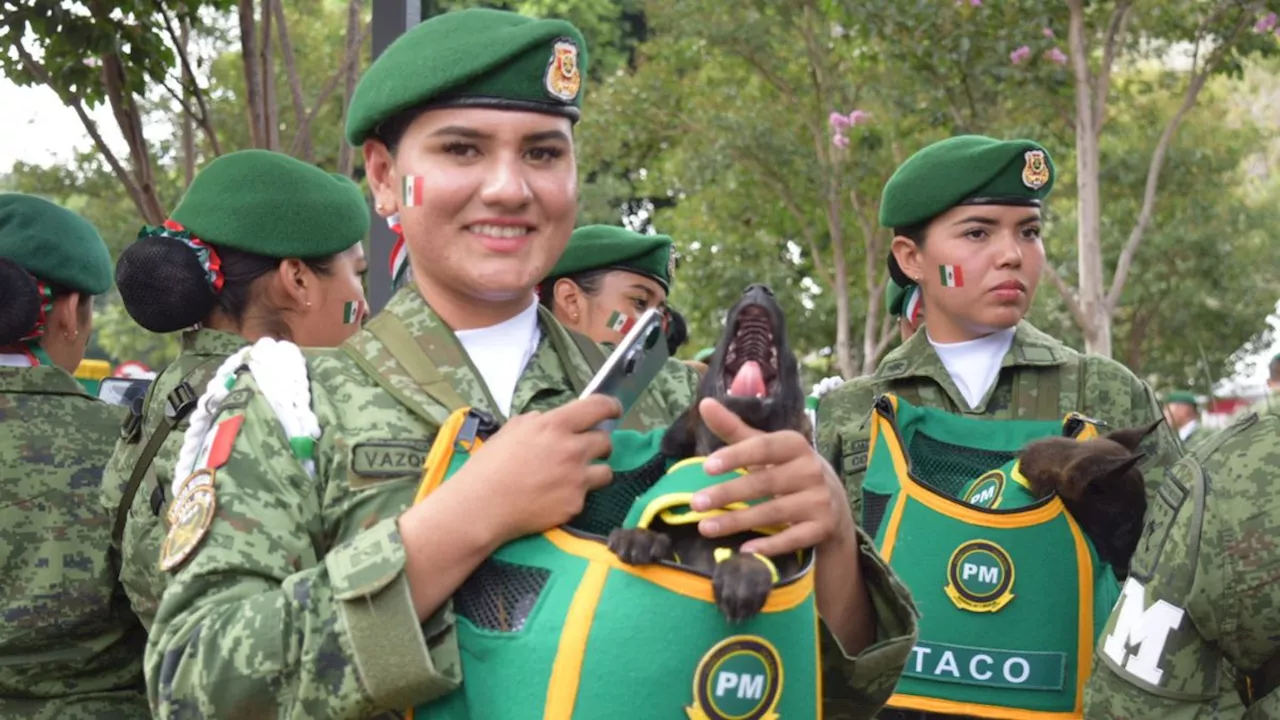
379,459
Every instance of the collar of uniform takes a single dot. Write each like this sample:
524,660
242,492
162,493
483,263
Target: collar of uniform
205,341
42,380
916,357
545,380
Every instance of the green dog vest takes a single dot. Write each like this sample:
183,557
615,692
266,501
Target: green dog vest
1011,592
556,626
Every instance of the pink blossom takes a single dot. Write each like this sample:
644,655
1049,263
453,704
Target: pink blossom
1054,55
838,122
858,117
1017,56
840,141
1048,32
975,3
1265,24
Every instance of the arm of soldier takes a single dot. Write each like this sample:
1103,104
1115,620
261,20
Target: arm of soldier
257,623
857,685
843,438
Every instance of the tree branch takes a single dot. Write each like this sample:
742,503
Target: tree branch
346,155
1069,297
252,73
204,118
351,58
1198,79
41,74
1115,32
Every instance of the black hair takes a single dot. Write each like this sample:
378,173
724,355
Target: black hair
588,280
677,330
20,301
165,288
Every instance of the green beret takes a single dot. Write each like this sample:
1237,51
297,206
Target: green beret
595,247
704,354
969,170
1182,396
271,204
473,58
53,244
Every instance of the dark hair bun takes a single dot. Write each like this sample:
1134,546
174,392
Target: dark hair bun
163,285
677,331
19,302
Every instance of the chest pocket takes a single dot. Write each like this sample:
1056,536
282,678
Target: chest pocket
378,460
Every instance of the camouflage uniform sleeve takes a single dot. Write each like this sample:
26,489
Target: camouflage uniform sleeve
261,621
680,388
857,686
844,434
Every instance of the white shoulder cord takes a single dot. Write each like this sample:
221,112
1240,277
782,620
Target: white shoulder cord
281,372
811,403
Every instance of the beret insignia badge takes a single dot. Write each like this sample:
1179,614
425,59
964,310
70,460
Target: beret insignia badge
1035,173
563,81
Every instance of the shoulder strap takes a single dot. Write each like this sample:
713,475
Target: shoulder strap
178,405
400,343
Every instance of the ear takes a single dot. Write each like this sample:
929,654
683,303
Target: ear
1111,469
1131,438
908,256
568,297
296,281
65,317
379,167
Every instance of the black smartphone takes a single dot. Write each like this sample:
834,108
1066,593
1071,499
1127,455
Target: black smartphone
633,365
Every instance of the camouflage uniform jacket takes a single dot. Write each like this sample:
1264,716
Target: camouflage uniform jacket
202,352
69,646
1202,594
1040,379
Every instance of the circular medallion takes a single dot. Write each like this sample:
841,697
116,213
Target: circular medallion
985,492
739,678
191,515
980,577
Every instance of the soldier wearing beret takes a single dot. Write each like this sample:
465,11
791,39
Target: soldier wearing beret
69,648
609,276
261,245
966,218
1182,412
306,580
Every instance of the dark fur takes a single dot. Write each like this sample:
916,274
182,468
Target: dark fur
1100,484
741,583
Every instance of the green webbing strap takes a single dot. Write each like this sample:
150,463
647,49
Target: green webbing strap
178,405
415,361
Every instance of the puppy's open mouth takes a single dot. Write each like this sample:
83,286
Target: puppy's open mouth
751,360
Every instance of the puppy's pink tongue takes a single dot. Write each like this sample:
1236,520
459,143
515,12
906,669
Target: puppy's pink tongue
749,382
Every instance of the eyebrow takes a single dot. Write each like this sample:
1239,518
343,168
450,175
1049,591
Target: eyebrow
980,220
474,134
647,291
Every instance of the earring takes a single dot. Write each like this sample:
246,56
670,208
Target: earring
308,303
379,207
574,317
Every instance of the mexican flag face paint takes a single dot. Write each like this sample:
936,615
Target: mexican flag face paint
413,190
952,276
620,323
352,311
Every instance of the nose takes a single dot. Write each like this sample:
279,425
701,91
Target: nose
755,288
505,185
1010,252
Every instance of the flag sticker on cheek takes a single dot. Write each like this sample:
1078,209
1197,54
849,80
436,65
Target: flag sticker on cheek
414,188
952,276
619,322
352,311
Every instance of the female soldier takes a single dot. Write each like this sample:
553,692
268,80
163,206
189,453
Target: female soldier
296,542
607,276
68,647
966,219
261,245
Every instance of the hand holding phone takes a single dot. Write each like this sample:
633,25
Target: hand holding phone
633,365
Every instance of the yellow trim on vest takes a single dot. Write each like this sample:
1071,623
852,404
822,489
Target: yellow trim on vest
1015,473
681,582
1085,582
436,464
995,712
566,671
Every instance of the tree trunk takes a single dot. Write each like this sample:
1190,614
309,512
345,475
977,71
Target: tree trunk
270,106
129,120
295,83
1092,294
346,158
844,355
188,125
252,74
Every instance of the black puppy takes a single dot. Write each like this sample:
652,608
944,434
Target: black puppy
1100,484
753,373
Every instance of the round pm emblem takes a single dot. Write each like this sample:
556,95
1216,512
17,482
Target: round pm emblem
985,492
980,577
740,678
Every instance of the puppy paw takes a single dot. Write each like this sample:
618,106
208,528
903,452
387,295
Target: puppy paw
640,547
741,584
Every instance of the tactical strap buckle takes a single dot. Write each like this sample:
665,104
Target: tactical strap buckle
479,424
180,402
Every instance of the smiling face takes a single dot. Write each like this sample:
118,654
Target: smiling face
487,199
978,267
